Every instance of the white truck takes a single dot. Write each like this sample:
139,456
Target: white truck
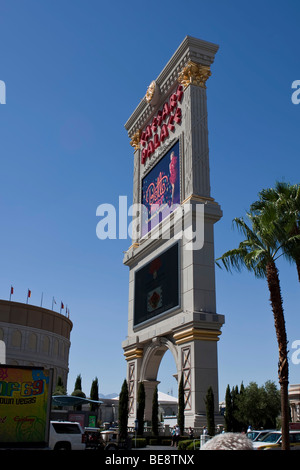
66,435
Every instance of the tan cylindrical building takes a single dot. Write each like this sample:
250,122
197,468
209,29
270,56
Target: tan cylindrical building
35,336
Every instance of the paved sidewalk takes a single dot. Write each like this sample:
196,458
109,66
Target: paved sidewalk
154,448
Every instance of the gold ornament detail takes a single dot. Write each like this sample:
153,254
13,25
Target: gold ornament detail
134,353
135,140
192,334
150,91
195,74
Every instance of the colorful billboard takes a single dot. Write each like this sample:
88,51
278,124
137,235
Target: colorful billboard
157,286
25,400
161,190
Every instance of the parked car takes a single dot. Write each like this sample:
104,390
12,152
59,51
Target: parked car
100,440
111,440
105,440
273,440
92,437
258,435
66,435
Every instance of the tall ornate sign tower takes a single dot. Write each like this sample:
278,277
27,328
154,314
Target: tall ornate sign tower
172,304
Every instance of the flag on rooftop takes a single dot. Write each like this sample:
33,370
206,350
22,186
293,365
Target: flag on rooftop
28,294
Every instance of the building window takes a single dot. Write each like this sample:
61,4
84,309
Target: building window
16,339
32,342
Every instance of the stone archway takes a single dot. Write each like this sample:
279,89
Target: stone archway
153,354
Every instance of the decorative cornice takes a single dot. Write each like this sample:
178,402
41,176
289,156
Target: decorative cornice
195,197
134,353
194,74
192,334
191,49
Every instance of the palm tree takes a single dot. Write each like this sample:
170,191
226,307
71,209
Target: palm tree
282,204
258,254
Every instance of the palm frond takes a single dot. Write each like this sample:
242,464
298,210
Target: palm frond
272,231
232,259
243,228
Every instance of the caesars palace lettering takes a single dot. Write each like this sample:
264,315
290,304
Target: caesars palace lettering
163,122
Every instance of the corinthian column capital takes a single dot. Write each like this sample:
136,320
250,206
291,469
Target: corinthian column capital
195,74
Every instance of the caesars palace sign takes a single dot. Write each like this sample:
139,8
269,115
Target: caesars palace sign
164,121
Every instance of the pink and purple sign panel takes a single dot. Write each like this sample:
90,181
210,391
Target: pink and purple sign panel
161,190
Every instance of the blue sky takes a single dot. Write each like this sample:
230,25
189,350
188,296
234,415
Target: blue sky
74,73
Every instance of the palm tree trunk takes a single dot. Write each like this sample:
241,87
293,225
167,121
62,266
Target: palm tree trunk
298,269
283,368
297,232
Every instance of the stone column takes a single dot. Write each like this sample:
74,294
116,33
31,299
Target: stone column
149,391
133,356
199,367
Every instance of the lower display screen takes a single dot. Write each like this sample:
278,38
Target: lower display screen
157,286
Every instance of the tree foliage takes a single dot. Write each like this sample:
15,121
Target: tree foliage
77,392
123,411
256,406
210,411
269,234
59,388
78,385
141,400
281,205
94,394
228,411
155,413
181,406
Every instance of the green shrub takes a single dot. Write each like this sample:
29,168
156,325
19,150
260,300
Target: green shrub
139,442
193,445
153,442
166,442
182,445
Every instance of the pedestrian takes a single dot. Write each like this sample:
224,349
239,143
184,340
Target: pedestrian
191,433
205,431
173,434
177,435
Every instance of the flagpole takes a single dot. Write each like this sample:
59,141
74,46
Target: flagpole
42,299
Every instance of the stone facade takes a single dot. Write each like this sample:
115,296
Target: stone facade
34,336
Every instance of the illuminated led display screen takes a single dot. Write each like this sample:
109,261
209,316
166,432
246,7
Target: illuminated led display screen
157,286
160,190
